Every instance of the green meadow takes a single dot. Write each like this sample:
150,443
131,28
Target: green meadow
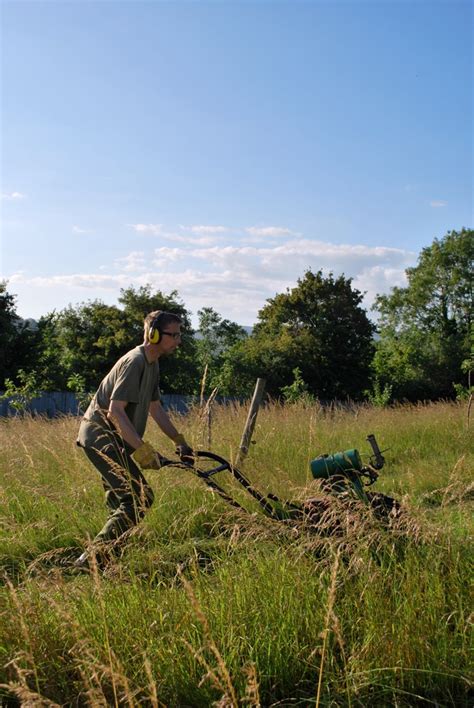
210,605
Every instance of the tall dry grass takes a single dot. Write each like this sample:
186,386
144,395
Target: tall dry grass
209,605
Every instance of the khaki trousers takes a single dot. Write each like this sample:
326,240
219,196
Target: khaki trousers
127,493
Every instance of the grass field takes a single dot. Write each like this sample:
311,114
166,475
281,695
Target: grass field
208,605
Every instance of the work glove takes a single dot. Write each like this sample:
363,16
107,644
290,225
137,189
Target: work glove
147,457
184,452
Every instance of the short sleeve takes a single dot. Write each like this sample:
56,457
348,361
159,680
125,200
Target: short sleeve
156,395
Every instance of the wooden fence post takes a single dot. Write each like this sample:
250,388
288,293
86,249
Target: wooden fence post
208,415
250,423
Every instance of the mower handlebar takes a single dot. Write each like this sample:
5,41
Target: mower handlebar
379,459
220,467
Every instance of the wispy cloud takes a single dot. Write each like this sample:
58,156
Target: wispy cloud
378,279
203,230
133,263
234,279
438,204
78,230
207,235
282,257
272,231
11,196
193,240
155,229
75,280
237,280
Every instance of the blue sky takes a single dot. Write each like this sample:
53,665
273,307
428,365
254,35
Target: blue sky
223,148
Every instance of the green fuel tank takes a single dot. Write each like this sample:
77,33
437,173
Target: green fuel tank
324,466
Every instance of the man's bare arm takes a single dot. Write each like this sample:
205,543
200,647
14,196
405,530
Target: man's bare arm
120,419
161,418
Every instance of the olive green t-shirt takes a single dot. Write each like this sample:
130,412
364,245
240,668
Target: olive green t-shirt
132,379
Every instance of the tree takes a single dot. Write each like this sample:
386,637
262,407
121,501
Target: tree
20,395
318,327
17,339
216,337
297,392
426,327
52,365
180,372
87,340
9,321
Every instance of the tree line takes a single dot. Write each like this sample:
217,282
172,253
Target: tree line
314,340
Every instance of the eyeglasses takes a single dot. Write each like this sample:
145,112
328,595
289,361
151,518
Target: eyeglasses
175,335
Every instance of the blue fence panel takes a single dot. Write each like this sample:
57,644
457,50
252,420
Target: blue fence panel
54,403
50,404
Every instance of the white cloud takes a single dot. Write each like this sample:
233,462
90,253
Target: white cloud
206,235
78,230
155,229
274,231
10,196
437,204
193,240
80,280
166,254
290,256
378,279
200,229
134,262
201,240
235,279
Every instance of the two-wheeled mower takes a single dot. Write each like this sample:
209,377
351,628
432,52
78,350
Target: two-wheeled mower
342,474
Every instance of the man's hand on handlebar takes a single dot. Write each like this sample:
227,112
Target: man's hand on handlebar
147,457
183,450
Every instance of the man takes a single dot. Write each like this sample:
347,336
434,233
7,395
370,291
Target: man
111,432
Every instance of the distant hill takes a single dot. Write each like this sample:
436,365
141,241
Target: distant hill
30,323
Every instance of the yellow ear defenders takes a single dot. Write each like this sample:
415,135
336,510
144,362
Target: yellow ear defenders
154,334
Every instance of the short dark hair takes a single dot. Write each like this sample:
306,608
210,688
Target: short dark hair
160,319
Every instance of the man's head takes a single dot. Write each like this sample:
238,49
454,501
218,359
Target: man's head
163,329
